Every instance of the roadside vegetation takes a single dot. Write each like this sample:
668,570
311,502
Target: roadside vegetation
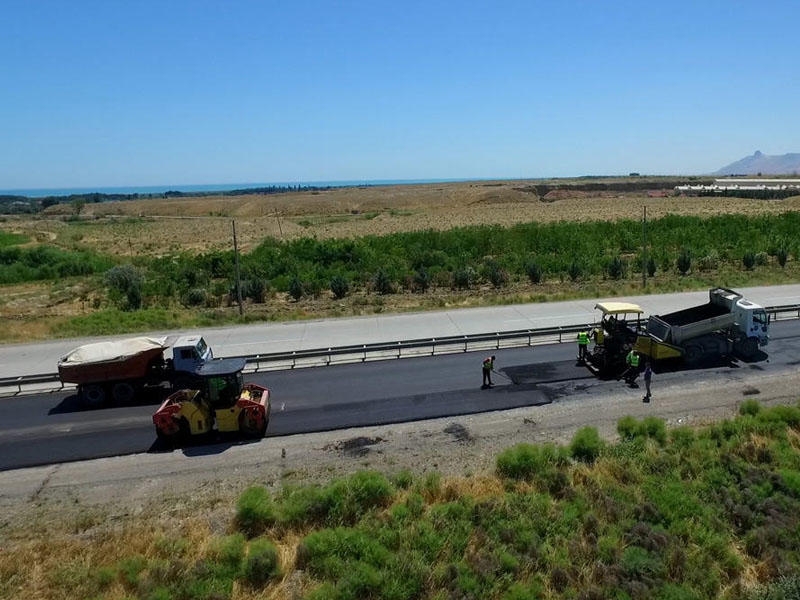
661,513
420,270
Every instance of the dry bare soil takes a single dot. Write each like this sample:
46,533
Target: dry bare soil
157,226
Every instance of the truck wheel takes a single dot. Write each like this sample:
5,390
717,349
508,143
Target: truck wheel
749,347
93,396
123,393
693,354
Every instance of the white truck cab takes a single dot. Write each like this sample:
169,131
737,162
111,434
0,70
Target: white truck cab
190,352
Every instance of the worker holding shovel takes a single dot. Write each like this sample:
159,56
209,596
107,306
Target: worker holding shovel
488,368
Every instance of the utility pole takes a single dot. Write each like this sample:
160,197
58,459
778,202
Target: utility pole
644,246
236,260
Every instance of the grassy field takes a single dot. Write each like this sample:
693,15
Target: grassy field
142,230
682,513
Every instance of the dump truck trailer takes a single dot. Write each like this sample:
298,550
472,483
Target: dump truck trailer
727,325
118,370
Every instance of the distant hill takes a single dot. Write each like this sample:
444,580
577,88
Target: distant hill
758,163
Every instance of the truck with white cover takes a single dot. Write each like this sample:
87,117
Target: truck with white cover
118,370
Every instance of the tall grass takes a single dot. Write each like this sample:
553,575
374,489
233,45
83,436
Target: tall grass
711,513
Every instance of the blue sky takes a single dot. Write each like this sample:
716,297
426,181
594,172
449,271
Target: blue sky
116,93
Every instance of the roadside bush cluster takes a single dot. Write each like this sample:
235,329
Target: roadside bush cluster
660,514
458,259
463,258
19,265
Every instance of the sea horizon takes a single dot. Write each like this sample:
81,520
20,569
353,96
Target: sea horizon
218,187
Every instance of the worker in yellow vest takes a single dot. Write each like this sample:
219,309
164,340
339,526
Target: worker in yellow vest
632,372
583,345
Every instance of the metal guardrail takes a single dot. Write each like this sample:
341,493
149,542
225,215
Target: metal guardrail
379,351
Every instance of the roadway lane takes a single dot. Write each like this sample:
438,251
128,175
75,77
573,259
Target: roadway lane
255,338
45,429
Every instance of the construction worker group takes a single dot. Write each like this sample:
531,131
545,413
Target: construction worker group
632,359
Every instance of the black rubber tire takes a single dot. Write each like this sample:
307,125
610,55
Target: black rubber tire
749,347
692,354
93,396
123,393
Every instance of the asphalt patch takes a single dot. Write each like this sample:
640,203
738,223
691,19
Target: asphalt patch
460,433
537,373
356,447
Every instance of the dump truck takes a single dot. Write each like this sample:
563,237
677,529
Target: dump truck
727,325
217,400
118,370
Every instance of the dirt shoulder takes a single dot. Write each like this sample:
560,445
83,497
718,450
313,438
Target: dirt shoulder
114,491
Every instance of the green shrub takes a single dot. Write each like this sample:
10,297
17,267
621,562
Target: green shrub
615,268
195,297
750,407
526,461
574,271
255,289
228,550
497,276
628,427
351,498
340,287
383,283
520,591
303,506
586,444
261,564
782,256
125,287
403,479
462,278
255,511
684,262
654,428
130,569
682,437
330,553
709,262
534,272
786,587
651,266
422,280
296,289
431,485
749,260
788,415
638,562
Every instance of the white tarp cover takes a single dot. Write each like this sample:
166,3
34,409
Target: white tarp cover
110,351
